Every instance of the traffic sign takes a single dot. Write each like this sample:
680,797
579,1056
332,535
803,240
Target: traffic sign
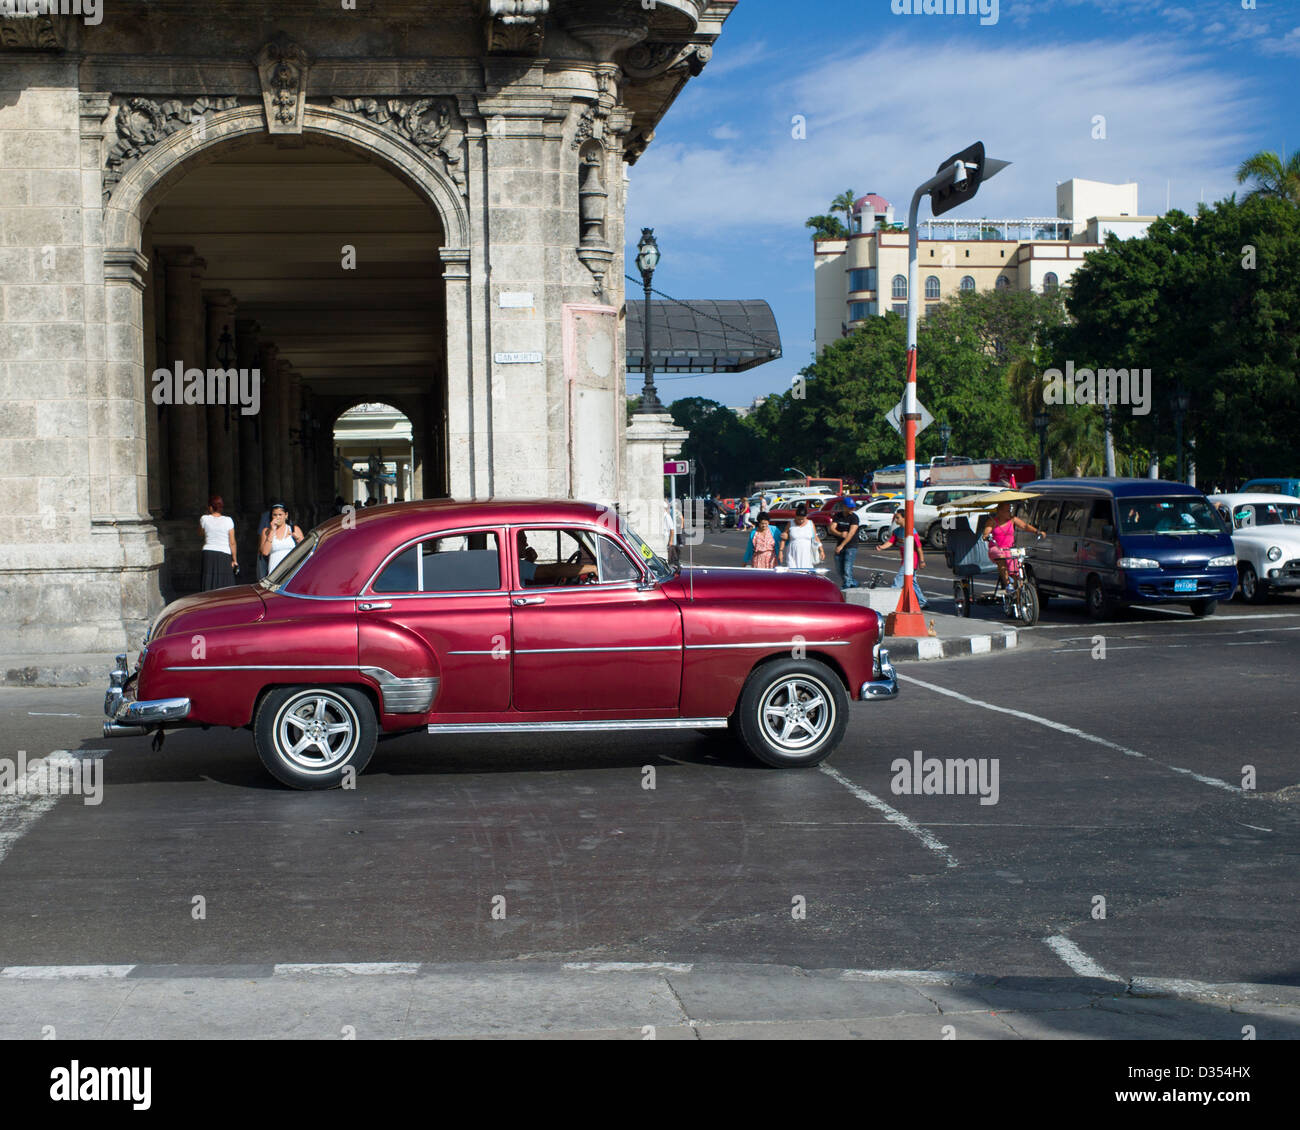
677,467
895,418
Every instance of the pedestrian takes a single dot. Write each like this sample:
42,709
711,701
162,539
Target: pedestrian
844,528
279,537
897,536
760,551
801,548
220,557
673,532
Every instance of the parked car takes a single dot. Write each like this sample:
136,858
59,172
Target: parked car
499,618
1128,541
874,519
1272,486
925,512
1266,539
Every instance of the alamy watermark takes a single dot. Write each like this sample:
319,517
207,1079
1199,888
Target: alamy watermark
60,774
179,385
1100,386
987,10
949,776
91,11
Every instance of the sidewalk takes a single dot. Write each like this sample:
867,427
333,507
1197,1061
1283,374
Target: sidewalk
953,636
620,1000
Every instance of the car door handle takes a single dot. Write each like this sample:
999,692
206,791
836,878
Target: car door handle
370,606
520,601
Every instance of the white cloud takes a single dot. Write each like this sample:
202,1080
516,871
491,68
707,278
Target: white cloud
873,125
725,132
1288,44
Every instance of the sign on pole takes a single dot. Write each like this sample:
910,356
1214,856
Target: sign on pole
895,418
677,467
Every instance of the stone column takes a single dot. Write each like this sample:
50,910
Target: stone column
467,445
651,438
222,428
252,495
297,449
270,424
186,423
283,439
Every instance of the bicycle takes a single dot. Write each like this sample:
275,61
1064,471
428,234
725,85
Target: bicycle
1019,599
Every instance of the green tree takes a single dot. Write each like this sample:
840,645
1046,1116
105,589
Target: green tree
826,227
844,203
1273,176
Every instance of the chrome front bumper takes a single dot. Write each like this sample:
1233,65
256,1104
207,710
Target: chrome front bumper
128,716
885,684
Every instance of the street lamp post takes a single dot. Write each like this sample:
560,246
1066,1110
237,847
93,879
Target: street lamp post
647,259
956,180
1041,420
1180,402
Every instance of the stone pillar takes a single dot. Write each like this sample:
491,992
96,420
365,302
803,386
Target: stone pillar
296,446
252,495
467,447
651,438
222,426
186,423
270,424
283,440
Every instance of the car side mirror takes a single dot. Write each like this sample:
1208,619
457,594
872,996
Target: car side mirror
1108,532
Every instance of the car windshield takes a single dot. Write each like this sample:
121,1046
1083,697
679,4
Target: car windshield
657,566
1167,516
289,566
1247,515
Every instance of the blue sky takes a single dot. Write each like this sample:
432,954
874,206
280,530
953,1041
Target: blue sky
1188,89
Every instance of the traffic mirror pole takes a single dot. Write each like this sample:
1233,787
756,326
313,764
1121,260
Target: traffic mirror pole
960,175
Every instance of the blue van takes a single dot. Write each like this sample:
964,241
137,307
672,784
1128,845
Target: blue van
1128,541
1272,486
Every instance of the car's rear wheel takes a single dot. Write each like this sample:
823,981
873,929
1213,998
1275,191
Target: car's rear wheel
313,737
793,713
1100,606
937,536
1203,607
1253,590
882,535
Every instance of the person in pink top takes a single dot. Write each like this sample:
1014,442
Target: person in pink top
1000,529
897,536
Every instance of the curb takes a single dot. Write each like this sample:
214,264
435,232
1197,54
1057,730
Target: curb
953,647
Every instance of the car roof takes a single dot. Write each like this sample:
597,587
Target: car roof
1237,497
1116,488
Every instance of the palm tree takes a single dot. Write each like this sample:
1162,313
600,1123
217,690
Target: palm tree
1273,175
826,227
844,203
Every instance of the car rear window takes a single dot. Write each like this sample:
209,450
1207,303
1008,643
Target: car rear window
451,563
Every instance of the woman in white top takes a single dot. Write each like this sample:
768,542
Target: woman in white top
801,548
220,558
279,537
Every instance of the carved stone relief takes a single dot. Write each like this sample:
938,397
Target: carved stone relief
142,123
282,69
432,125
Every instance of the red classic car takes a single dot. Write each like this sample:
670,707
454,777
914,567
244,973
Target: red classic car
491,617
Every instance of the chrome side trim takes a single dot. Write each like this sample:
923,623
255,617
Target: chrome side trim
558,650
308,596
268,667
503,652
776,643
403,696
559,727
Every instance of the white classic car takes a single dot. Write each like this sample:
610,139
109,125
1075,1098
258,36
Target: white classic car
1266,538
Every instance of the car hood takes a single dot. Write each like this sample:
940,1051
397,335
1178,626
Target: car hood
713,583
1274,535
220,608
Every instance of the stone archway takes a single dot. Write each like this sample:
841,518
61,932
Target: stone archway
153,174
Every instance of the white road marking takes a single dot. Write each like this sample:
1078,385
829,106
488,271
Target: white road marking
629,966
1073,732
892,815
1112,647
344,968
61,972
1255,826
45,714
29,799
1077,960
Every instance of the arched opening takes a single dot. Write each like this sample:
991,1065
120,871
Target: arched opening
374,456
314,267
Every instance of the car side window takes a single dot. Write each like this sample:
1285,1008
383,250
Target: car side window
555,557
1073,515
1047,512
468,562
1100,517
615,565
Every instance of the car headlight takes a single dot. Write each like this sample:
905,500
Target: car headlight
1222,562
1137,563
1274,552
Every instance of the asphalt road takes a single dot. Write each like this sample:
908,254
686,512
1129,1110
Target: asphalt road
1117,778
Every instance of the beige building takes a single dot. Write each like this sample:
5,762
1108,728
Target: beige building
418,203
865,275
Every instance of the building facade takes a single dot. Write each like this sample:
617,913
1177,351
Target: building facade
227,224
865,275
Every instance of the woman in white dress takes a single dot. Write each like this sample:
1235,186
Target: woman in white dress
801,548
279,537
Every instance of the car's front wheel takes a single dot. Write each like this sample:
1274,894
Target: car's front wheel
793,713
314,737
1203,607
1253,590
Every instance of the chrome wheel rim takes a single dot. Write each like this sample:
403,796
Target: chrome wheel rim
1248,583
316,730
796,713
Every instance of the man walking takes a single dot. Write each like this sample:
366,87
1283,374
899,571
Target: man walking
844,528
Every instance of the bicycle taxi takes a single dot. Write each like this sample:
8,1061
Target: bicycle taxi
968,557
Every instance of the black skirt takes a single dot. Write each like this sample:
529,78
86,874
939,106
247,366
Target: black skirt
217,570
